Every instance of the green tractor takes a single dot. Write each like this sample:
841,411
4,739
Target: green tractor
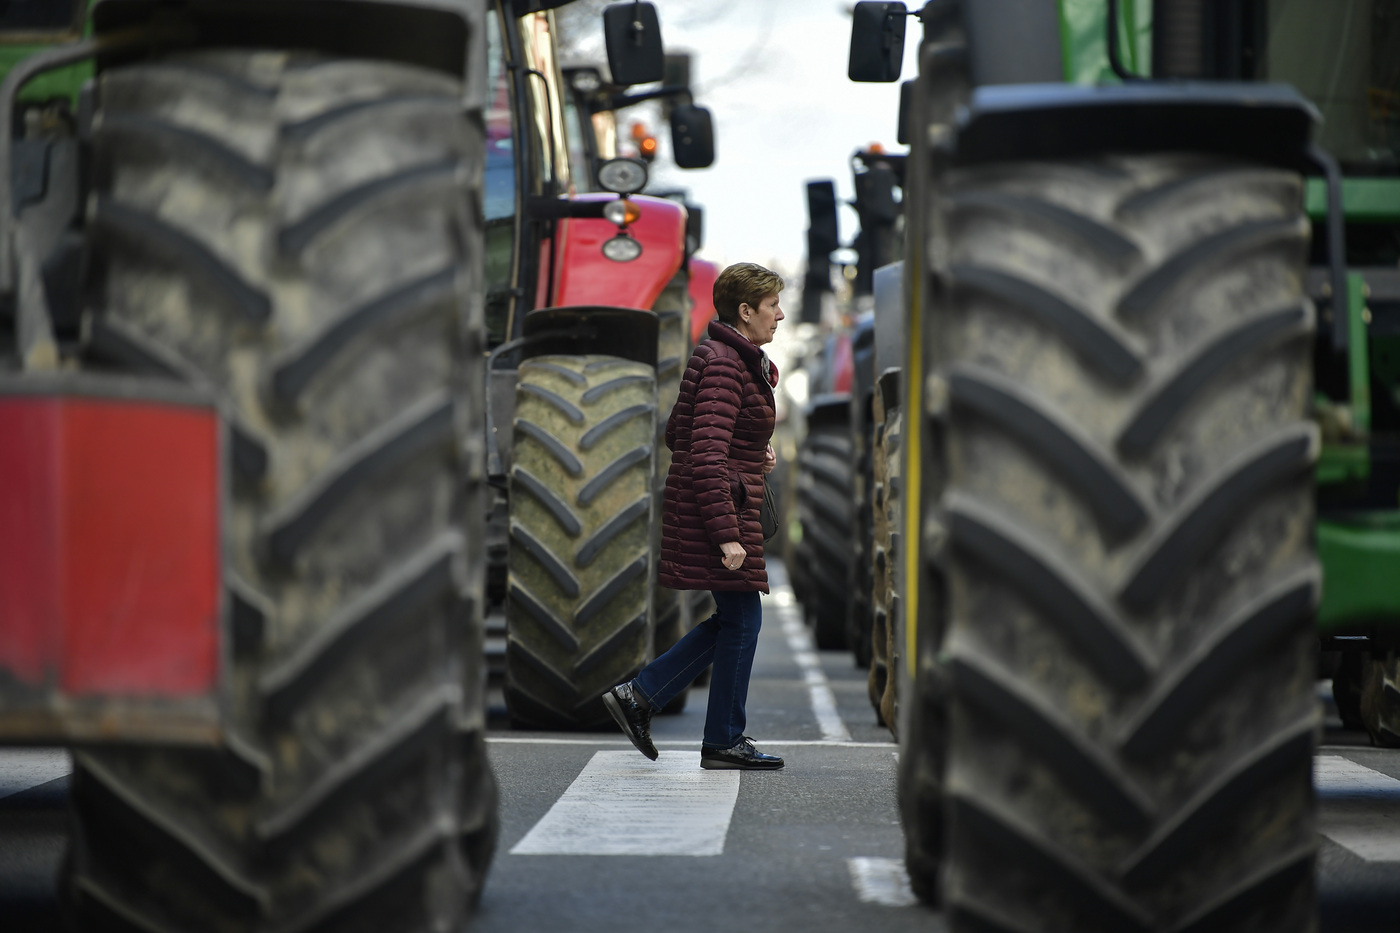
1148,405
242,459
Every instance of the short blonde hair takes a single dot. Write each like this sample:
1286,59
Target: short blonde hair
743,283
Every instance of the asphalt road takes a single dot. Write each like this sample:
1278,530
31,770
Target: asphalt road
814,847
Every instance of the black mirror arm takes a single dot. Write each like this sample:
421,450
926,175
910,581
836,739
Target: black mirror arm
577,332
1336,244
549,123
553,186
543,207
618,101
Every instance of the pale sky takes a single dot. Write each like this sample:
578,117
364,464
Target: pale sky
773,73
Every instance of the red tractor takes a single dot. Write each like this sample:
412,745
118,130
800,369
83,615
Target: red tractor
587,315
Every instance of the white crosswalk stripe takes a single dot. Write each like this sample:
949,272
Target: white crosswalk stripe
881,881
623,804
686,743
24,768
1359,808
819,692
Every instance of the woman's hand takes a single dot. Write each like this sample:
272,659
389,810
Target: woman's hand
770,460
734,554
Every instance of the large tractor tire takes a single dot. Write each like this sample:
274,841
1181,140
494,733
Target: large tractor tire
892,606
671,627
1380,698
922,726
1347,683
914,701
919,587
886,649
878,672
1121,361
582,561
672,352
860,583
303,235
700,605
825,489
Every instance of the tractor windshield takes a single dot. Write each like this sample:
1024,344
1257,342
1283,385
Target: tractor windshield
1344,55
528,155
576,121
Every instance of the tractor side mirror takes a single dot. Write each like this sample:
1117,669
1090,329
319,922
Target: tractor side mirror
633,35
906,106
692,136
875,195
877,41
823,237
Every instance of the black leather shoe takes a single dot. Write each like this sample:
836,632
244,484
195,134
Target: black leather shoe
742,757
634,721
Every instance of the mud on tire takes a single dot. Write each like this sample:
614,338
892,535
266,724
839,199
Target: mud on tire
860,583
1122,369
303,235
918,587
1380,698
582,562
1347,682
885,642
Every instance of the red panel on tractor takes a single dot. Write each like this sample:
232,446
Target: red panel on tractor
110,552
587,277
843,364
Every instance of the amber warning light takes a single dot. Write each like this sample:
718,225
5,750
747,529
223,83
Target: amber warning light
622,212
646,143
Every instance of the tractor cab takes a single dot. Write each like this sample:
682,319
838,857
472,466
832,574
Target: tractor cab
566,223
588,332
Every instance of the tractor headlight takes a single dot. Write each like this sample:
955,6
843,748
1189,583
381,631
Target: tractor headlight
623,176
586,80
622,248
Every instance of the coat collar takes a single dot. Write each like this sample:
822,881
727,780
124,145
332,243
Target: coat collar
751,353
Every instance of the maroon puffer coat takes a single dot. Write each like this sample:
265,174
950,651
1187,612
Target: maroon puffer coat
718,433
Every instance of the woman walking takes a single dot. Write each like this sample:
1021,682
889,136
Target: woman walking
711,535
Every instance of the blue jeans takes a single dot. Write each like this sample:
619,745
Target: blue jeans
728,639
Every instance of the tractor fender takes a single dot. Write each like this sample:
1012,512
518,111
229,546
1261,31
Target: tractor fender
586,277
435,34
112,605
582,330
1268,123
889,316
